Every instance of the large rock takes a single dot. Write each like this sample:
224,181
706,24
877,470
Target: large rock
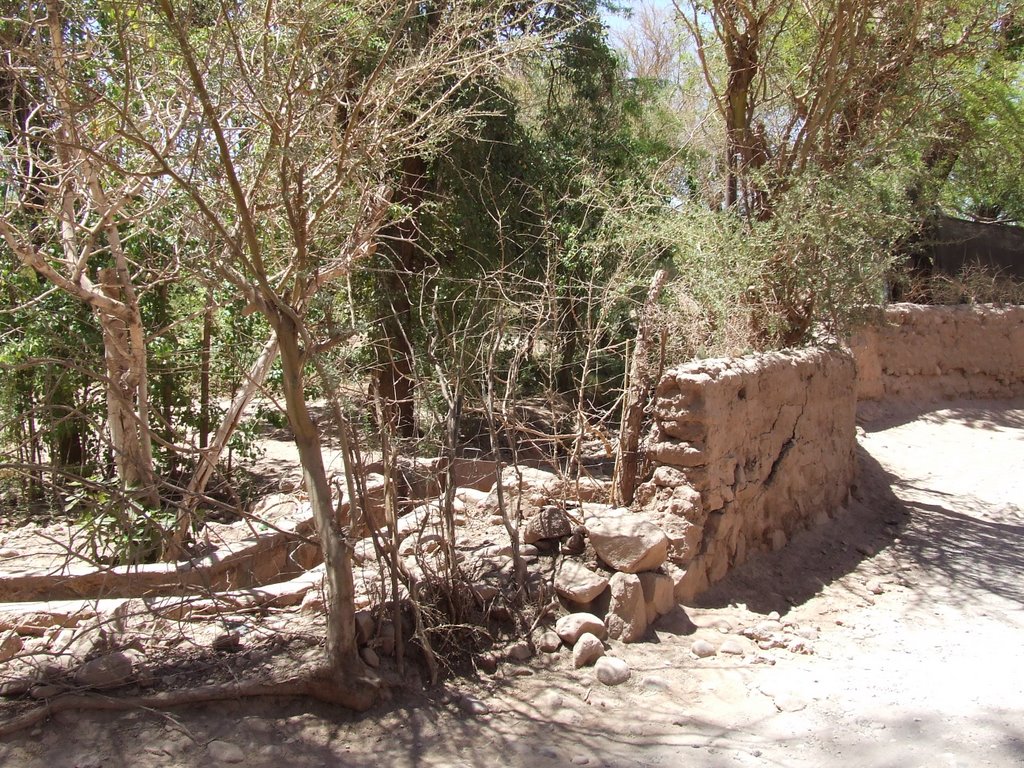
107,671
627,612
577,583
10,644
587,650
571,627
626,543
549,523
659,597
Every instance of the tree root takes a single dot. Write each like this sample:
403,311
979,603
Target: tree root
356,693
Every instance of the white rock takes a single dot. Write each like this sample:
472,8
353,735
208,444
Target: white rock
577,583
627,543
225,752
702,649
732,646
569,628
611,671
587,650
627,613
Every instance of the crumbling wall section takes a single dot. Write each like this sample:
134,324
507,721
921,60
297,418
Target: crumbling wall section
928,353
746,452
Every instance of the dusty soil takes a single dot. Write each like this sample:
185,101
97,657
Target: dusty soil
896,643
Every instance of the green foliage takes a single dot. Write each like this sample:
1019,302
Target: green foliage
114,529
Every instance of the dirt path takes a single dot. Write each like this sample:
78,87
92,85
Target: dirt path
901,622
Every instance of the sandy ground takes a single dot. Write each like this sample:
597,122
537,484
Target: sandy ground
907,607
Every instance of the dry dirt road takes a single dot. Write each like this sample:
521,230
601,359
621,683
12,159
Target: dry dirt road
901,623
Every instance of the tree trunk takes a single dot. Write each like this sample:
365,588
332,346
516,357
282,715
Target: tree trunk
127,402
342,650
394,378
637,393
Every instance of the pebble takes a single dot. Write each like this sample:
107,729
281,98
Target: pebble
580,760
875,587
611,671
549,642
702,649
732,646
225,751
473,706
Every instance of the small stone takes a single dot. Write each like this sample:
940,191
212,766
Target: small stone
587,650
549,642
875,587
569,628
227,642
731,646
788,702
774,616
575,544
45,691
519,651
611,671
702,649
7,552
487,663
225,752
580,760
473,706
370,658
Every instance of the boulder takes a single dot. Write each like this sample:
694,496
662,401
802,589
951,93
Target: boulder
587,650
10,644
626,543
627,612
577,583
659,597
570,628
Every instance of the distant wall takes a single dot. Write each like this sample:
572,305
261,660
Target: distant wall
746,452
934,352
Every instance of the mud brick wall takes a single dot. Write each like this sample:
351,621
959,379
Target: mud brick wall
929,353
746,452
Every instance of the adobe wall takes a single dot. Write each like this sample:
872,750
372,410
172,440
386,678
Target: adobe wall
941,352
746,452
